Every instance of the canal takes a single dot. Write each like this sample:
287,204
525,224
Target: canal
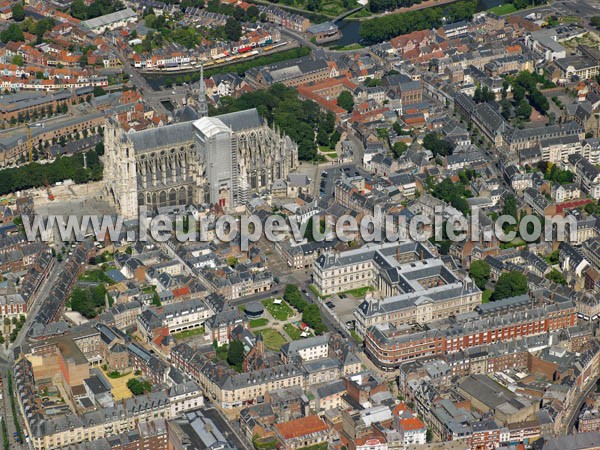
350,27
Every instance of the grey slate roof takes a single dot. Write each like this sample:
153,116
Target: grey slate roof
180,133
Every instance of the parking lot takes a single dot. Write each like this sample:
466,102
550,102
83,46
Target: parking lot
344,307
328,177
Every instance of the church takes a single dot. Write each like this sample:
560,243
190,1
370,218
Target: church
219,160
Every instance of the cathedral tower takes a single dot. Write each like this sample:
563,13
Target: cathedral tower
202,103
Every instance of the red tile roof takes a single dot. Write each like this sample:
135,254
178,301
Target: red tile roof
301,427
181,291
400,407
413,423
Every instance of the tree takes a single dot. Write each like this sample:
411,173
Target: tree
88,302
156,299
313,5
381,28
556,276
591,208
510,207
334,139
78,9
252,13
595,21
150,21
510,284
346,101
138,387
98,91
235,354
232,261
480,272
452,193
239,13
373,82
322,137
523,110
436,145
18,60
429,436
309,234
233,29
12,33
539,101
18,12
281,106
398,149
147,43
311,316
483,95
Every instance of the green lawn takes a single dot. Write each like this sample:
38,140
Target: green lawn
516,242
359,14
294,332
501,10
116,374
189,333
96,275
485,298
279,312
360,292
355,46
257,323
273,339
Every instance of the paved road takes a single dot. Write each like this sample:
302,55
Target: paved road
584,9
574,413
305,42
10,425
42,293
139,81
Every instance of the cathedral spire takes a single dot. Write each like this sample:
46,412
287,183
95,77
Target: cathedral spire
202,104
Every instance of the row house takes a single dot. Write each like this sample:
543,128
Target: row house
294,22
587,175
388,346
231,389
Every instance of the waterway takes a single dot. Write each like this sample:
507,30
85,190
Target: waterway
350,28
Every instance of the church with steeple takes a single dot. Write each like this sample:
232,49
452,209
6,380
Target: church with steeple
196,106
198,159
202,103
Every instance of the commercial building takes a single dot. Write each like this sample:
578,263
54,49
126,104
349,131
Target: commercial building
323,32
110,21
